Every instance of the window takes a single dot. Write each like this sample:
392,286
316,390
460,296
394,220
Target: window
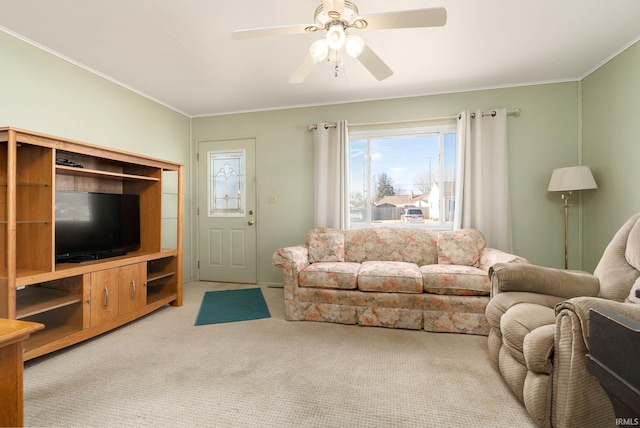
226,184
403,176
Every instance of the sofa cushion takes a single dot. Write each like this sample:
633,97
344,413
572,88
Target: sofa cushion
390,277
340,275
460,247
325,245
455,279
398,244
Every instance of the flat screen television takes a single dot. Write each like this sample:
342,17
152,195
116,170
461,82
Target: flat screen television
92,226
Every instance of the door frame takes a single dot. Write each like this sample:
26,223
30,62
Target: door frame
195,200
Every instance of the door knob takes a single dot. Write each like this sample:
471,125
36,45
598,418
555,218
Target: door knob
250,222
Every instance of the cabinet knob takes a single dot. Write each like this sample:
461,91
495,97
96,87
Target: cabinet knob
251,222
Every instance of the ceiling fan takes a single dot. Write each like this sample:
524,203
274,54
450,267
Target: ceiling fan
337,18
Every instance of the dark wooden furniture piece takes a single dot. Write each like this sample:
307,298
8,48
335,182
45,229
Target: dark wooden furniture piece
613,358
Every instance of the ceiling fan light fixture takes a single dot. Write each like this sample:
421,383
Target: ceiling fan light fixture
319,50
335,36
354,46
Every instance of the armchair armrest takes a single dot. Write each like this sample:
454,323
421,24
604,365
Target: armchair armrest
581,307
491,256
543,280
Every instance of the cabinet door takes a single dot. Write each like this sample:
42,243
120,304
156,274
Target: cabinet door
104,295
132,291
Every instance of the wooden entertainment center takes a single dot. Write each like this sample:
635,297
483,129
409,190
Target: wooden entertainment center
77,301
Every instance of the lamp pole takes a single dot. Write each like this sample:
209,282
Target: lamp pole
565,198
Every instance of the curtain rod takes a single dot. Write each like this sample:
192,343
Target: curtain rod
515,112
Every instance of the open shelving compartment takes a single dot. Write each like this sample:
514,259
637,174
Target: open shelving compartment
161,278
34,209
57,304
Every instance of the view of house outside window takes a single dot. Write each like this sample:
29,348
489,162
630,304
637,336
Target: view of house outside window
403,177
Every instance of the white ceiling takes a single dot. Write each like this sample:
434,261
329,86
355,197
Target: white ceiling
181,54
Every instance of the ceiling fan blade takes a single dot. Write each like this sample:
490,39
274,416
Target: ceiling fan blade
268,31
374,64
333,5
433,17
303,71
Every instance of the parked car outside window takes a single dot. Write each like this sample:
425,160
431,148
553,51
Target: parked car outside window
412,215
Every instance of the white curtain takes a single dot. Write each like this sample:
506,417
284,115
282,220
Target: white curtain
482,182
331,173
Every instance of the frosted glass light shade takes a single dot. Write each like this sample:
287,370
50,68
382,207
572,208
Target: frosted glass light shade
354,46
571,178
319,50
335,36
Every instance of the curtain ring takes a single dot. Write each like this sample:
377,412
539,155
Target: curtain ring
326,126
493,113
460,116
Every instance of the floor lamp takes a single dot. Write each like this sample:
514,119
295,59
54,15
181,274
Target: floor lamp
568,180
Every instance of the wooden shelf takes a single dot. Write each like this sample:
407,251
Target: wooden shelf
48,335
23,273
43,185
156,297
28,222
156,277
69,170
34,300
22,183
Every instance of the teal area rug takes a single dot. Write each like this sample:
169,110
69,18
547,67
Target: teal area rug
232,305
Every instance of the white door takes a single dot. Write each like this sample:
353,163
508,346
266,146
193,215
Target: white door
227,211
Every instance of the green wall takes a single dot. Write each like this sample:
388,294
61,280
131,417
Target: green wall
543,137
47,94
611,147
43,93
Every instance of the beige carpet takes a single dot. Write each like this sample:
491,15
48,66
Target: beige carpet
162,371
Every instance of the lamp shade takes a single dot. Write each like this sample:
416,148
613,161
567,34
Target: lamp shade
354,46
571,178
319,50
335,36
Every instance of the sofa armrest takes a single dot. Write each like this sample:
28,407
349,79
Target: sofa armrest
296,257
581,307
543,280
292,260
491,256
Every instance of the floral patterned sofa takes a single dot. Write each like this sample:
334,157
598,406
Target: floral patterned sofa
391,277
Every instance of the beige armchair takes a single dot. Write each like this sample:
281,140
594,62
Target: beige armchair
539,337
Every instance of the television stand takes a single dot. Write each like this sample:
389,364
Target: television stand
80,298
